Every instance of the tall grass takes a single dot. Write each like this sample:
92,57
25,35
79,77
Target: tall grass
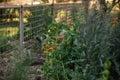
19,64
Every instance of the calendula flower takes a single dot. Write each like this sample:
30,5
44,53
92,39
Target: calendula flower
45,52
57,44
61,37
51,49
113,23
9,31
46,45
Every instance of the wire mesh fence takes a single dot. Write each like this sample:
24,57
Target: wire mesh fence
20,25
9,28
38,17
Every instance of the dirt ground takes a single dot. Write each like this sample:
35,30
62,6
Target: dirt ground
4,67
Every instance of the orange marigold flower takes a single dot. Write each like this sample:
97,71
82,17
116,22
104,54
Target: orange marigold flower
9,31
113,23
46,45
51,49
45,52
61,37
57,44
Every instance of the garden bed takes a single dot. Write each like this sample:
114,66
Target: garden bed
34,66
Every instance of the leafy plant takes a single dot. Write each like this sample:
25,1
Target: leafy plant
115,50
82,50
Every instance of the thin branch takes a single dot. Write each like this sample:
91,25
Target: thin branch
113,4
118,2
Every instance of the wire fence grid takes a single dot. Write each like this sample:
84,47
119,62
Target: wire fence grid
19,25
9,28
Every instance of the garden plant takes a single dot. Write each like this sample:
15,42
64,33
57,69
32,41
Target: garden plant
86,48
81,51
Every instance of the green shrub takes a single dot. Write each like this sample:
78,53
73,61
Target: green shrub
115,50
82,51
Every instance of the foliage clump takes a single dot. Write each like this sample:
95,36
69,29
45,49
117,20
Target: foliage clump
84,50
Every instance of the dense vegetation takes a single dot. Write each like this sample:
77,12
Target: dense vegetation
82,50
86,49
